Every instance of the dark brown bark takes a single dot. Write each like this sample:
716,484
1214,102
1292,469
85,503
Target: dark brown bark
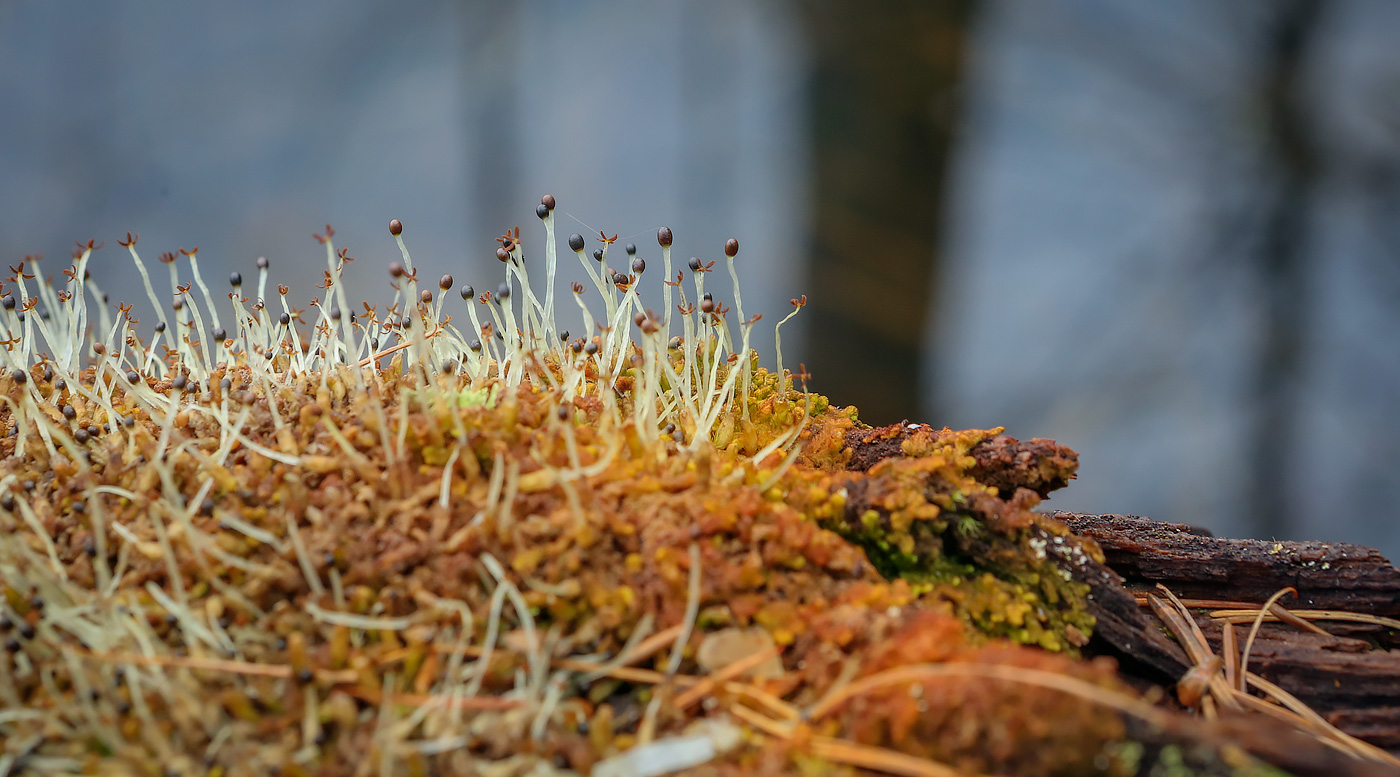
1354,686
1328,576
1008,463
1002,461
1124,630
1347,677
1379,726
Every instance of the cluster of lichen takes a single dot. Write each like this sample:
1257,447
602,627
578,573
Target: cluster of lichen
249,567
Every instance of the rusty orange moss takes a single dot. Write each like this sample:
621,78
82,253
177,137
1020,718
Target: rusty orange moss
278,562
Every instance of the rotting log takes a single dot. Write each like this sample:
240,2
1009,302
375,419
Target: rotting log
1348,675
1354,686
1123,629
1002,461
1328,575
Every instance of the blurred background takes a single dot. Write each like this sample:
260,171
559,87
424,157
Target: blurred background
1165,234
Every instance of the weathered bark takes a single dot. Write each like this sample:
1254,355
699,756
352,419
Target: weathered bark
1343,676
1004,462
1351,684
1126,631
1328,576
1008,463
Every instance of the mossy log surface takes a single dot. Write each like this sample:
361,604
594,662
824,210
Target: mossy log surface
1351,675
358,545
351,571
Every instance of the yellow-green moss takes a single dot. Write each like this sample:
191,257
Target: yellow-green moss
930,522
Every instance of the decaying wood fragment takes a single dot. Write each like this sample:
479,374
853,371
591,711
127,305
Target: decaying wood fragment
1328,575
1347,675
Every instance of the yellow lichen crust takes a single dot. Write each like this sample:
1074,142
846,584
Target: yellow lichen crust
399,545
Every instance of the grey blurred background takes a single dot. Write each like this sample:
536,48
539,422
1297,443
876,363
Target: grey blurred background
1165,234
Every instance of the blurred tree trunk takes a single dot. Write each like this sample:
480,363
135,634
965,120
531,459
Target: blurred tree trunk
884,105
1283,252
